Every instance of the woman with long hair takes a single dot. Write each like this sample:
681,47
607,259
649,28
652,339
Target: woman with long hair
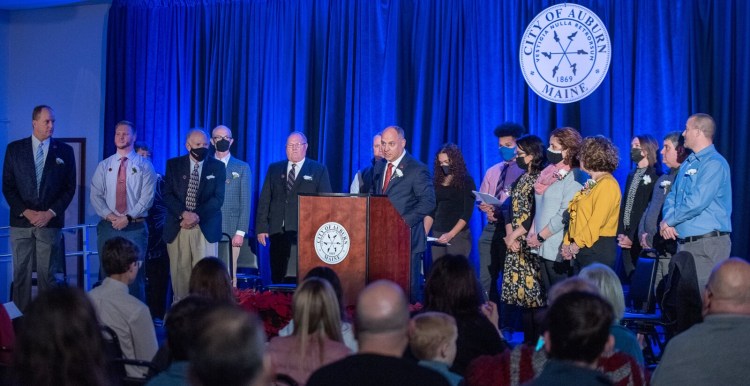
593,211
553,190
210,278
316,340
454,204
639,186
60,342
522,276
452,288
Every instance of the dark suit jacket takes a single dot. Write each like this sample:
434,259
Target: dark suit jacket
208,201
57,187
412,195
276,206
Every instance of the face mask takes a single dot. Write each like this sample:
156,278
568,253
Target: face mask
508,153
635,155
522,163
199,153
222,145
554,157
446,170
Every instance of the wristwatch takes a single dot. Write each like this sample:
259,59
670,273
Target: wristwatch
130,219
540,238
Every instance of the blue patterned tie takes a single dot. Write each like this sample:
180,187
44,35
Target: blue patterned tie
39,161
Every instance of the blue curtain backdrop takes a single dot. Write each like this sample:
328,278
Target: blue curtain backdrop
444,70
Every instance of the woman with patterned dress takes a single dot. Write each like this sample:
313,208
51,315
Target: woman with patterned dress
522,282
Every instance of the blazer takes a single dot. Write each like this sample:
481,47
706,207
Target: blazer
235,213
412,194
550,209
277,208
209,199
56,190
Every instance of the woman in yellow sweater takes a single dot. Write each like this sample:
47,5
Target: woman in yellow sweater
592,228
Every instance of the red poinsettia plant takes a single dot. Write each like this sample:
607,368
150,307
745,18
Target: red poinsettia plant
273,308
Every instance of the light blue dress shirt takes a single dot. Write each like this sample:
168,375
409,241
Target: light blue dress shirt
140,184
701,198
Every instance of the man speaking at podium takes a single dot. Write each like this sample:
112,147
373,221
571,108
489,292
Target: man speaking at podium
408,185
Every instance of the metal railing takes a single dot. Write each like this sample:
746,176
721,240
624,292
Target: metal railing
82,255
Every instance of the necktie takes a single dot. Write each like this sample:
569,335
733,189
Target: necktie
192,189
501,181
388,174
39,163
121,195
290,178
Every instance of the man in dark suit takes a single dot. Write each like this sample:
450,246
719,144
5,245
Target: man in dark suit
235,213
39,181
277,213
408,184
193,195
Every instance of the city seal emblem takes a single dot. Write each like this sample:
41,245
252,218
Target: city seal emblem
332,243
565,53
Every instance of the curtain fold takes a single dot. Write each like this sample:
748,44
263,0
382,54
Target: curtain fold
444,70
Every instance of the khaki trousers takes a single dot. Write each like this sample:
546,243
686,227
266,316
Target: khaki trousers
189,247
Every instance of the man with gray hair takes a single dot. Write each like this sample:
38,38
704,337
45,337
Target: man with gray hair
698,210
714,352
193,196
383,334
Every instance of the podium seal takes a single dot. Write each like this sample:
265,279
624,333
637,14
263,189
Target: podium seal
332,243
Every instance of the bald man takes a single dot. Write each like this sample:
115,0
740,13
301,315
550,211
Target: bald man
716,351
382,330
193,196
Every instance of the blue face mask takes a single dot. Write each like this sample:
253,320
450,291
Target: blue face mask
508,153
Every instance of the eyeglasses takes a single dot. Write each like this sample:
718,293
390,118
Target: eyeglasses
228,138
295,145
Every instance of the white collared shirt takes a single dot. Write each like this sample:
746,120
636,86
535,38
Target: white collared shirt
35,145
225,160
395,166
296,169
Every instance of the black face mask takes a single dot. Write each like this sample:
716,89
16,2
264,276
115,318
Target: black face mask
222,145
635,155
554,158
522,163
446,170
199,153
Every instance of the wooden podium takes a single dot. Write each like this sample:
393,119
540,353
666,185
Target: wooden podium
377,238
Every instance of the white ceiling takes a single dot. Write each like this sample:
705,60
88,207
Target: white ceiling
13,5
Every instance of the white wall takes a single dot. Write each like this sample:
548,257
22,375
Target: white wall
53,56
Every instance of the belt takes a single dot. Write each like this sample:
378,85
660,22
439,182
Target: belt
139,219
690,239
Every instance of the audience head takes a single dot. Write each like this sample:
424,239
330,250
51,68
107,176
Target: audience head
728,288
673,151
296,147
598,154
142,149
699,131
610,287
392,143
571,284
645,146
221,138
197,144
210,278
43,122
450,162
181,324
452,287
229,349
506,134
330,275
578,327
382,319
60,341
568,141
316,310
120,257
530,155
432,336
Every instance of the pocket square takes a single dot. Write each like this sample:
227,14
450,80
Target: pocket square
307,178
210,177
59,161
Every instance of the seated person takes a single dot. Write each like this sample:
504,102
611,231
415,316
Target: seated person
210,278
432,339
122,312
181,326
